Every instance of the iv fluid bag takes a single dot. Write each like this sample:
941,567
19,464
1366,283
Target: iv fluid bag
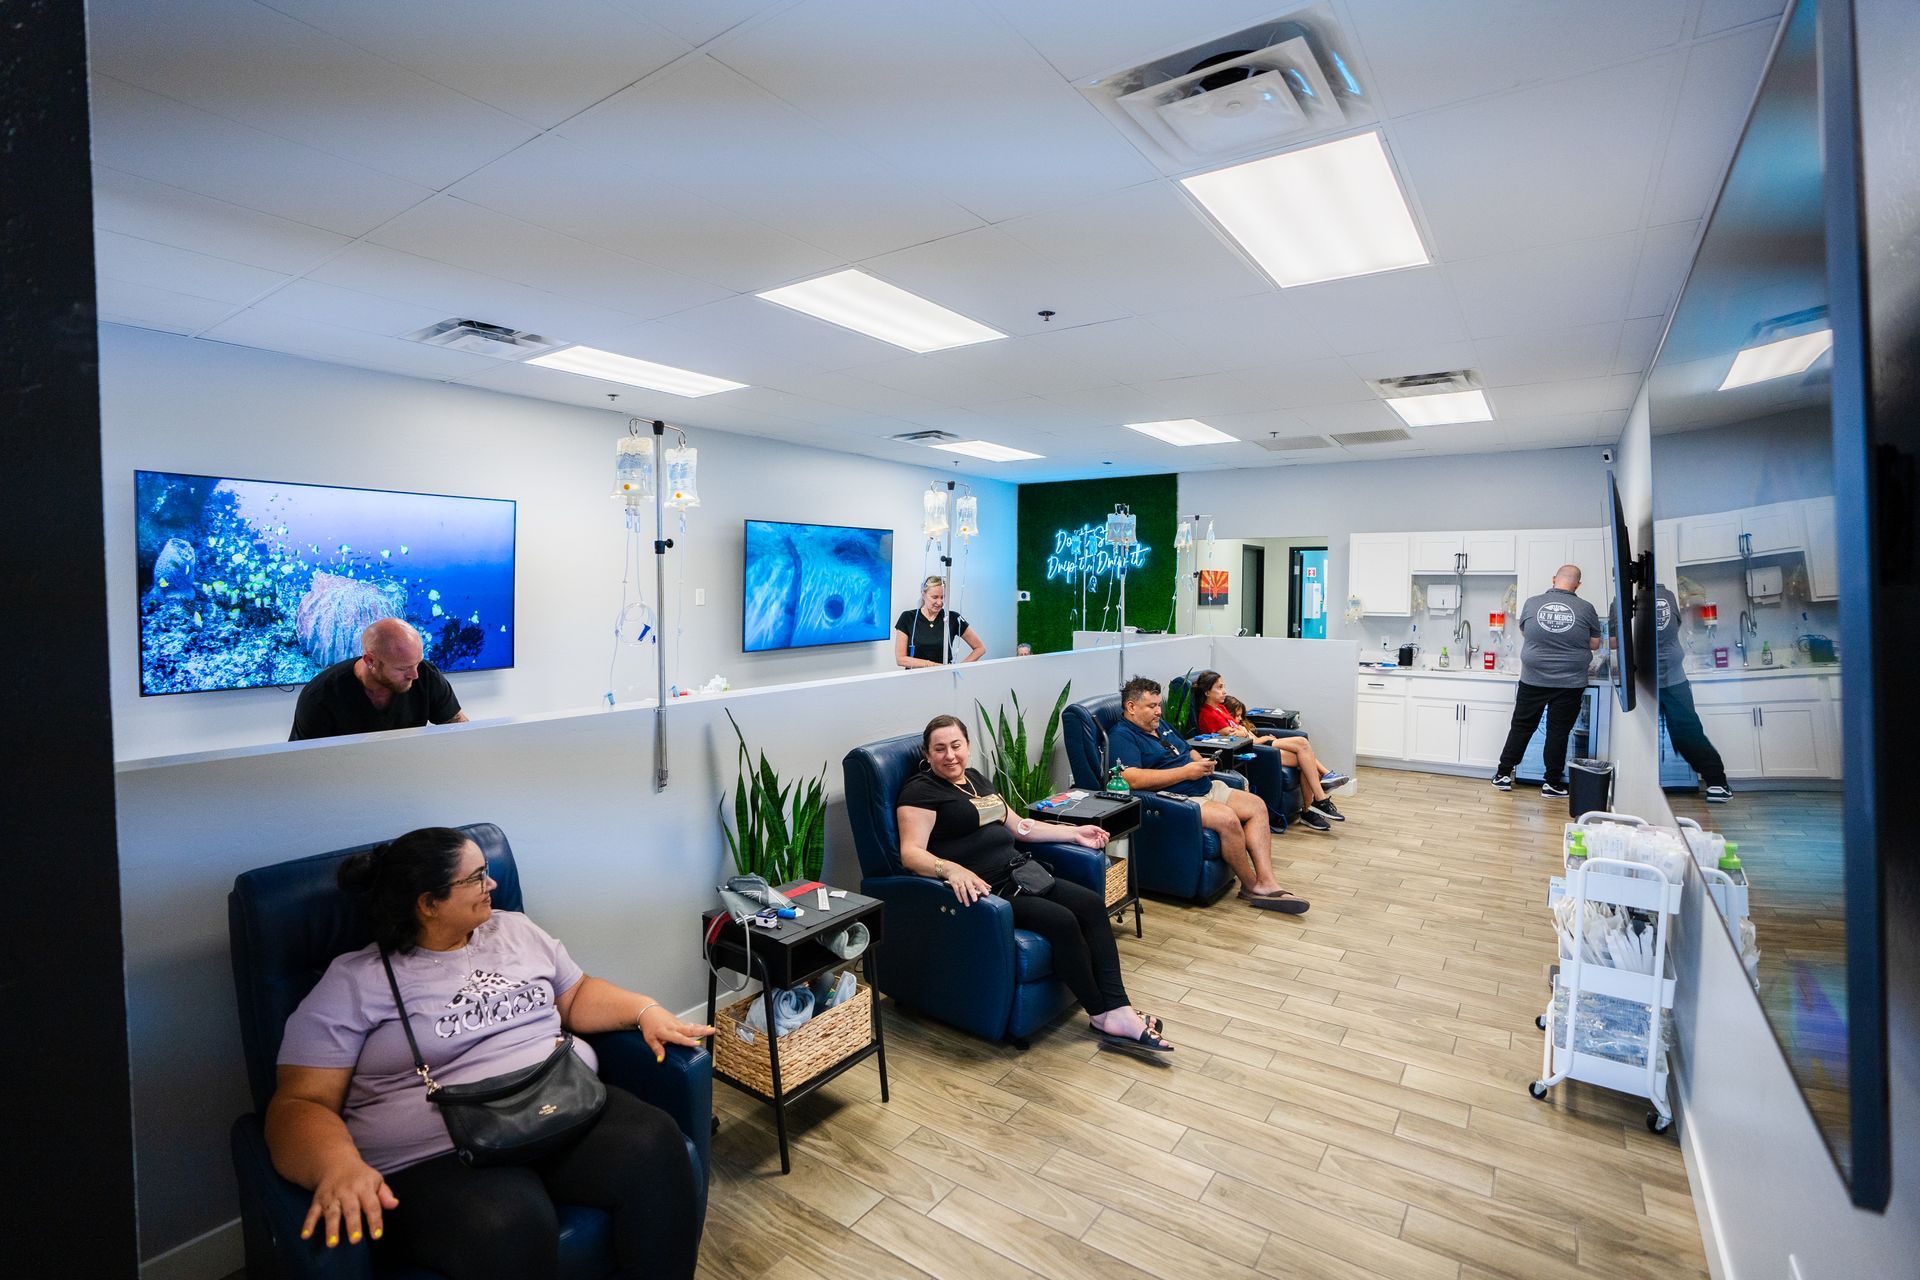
681,489
633,470
933,513
966,516
1120,528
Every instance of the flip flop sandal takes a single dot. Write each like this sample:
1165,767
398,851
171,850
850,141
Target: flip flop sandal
1145,1045
1153,1021
1282,901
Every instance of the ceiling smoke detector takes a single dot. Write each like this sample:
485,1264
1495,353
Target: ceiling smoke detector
1274,84
476,337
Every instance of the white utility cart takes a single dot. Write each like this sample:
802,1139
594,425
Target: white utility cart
1642,886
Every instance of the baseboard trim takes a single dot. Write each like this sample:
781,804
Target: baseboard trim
213,1255
1718,1264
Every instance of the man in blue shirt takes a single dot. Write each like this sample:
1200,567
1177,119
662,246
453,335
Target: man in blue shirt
1155,758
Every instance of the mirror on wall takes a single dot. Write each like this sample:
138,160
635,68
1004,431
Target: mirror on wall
1751,674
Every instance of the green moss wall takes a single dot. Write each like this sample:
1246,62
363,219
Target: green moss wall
1049,619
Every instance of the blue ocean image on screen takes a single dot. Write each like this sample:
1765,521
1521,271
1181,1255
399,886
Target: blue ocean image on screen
245,583
809,584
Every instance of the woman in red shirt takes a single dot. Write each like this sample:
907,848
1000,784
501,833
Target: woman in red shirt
1218,713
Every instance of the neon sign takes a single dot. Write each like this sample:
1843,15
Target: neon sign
1085,553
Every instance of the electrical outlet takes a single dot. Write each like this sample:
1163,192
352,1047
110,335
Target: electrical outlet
699,595
1022,597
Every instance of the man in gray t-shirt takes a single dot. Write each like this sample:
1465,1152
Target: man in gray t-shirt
1676,701
1559,632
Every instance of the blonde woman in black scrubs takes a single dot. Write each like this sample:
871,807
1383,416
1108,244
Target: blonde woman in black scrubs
920,635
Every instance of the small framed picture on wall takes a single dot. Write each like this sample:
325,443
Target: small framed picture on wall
1213,586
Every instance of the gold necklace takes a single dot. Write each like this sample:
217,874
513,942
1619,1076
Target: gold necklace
964,784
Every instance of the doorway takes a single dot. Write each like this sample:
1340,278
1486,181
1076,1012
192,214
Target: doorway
1253,588
1307,593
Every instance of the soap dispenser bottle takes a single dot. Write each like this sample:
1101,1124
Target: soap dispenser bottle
1445,661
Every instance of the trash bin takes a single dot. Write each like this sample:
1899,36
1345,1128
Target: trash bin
1589,786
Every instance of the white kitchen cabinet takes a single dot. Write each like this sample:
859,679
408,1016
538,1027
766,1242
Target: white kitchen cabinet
1380,573
1710,538
1483,731
1433,731
1790,735
1490,551
1773,529
1823,549
1666,568
1380,727
1543,551
1586,549
1773,726
1735,734
1435,552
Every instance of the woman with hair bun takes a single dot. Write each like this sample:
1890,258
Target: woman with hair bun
487,992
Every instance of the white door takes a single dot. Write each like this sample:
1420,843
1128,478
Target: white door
1490,552
1483,731
1705,539
1380,728
1790,740
1434,728
1380,573
1774,528
1665,538
1542,552
1734,731
1585,549
1823,550
1434,552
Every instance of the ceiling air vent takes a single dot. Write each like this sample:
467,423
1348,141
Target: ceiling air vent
1277,84
481,339
1388,435
1292,444
1427,384
925,437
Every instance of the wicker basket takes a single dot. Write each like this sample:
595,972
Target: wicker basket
806,1051
1116,880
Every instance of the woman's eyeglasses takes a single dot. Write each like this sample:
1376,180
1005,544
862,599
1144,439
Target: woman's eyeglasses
473,881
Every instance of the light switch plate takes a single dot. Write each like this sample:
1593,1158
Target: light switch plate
699,595
1021,597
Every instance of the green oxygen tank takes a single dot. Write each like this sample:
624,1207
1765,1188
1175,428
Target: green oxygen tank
1117,784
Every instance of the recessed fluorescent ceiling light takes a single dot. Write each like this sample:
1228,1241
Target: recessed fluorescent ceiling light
609,367
1321,213
855,300
1182,431
987,449
1779,359
1435,411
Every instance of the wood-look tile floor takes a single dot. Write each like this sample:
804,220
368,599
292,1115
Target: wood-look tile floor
1348,1099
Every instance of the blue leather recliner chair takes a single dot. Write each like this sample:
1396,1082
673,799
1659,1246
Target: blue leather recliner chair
1266,771
966,966
1174,855
286,923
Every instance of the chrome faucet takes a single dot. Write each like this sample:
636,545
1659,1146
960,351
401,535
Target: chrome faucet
1747,627
1464,631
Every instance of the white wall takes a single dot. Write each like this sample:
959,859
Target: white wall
179,404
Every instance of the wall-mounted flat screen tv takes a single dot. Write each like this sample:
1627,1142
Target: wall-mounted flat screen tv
814,584
245,583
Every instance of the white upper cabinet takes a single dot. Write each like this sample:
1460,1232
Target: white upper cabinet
1823,550
1490,551
1380,573
1773,528
1704,539
1666,536
1435,552
1587,548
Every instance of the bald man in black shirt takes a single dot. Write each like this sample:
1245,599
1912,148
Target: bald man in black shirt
389,686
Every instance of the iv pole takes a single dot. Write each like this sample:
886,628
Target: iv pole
946,607
660,544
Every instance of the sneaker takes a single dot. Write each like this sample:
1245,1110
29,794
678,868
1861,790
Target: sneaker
1504,781
1313,821
1719,795
1335,780
1325,808
1556,789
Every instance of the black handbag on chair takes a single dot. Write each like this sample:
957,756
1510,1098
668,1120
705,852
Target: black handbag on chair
518,1117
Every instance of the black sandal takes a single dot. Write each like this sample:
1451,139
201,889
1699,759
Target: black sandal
1145,1045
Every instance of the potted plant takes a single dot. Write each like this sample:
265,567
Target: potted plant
779,831
1019,780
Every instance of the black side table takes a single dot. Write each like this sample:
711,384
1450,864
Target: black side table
794,953
1119,815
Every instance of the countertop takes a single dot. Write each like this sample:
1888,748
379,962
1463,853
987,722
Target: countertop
1707,675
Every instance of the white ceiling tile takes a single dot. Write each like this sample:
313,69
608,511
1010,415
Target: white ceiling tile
606,201
1419,357
466,235
276,331
1461,437
1718,15
1638,341
1236,333
1122,351
1148,247
1085,38
932,378
144,307
155,138
540,63
989,276
958,103
1721,78
1666,253
1261,424
469,295
763,342
1114,404
708,130
1202,396
1555,399
154,211
197,275
1035,413
983,372
1374,313
1556,162
243,61
1561,287
351,309
592,393
698,21
1570,429
1364,415
1424,54
838,387
1549,355
1289,386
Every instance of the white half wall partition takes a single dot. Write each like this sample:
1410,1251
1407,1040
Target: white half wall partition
1313,677
619,871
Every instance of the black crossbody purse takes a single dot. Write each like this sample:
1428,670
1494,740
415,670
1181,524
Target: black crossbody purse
518,1117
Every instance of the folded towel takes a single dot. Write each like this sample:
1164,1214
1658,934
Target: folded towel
791,1009
831,989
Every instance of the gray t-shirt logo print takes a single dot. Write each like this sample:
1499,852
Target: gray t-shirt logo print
1555,617
1663,613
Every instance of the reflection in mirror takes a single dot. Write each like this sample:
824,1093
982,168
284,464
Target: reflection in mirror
1746,605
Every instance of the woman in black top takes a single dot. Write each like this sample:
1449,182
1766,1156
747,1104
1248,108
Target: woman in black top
921,637
954,827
